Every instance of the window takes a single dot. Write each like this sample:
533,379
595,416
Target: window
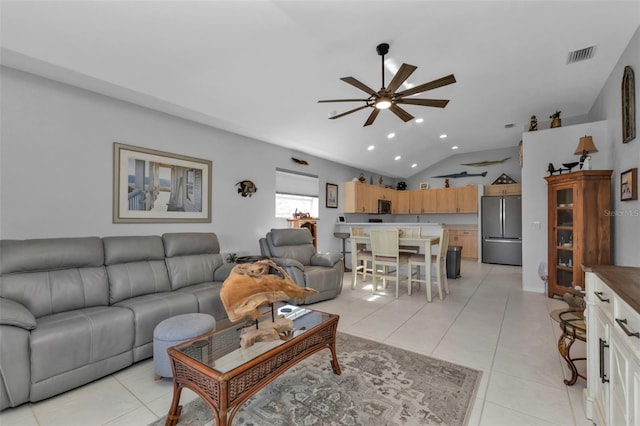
296,191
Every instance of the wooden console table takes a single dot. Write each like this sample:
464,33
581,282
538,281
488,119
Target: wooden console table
225,375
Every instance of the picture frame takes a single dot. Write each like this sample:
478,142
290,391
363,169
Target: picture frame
332,196
151,186
628,89
424,185
629,185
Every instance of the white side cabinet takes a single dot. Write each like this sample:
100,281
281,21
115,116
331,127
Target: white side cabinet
612,397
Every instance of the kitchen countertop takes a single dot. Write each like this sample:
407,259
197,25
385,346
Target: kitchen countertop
624,280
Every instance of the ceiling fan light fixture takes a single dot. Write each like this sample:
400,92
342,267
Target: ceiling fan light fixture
383,103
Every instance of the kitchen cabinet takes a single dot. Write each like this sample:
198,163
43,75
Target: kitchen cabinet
579,230
457,200
504,189
387,194
403,202
359,197
467,239
612,396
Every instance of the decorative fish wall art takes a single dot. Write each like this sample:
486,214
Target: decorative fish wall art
461,175
247,188
485,163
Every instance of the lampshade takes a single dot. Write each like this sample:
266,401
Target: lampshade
586,144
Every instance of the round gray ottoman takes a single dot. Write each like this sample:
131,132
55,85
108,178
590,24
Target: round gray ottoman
174,331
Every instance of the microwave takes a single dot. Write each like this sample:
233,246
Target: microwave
384,207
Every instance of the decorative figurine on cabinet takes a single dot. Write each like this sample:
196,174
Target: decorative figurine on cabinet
533,124
555,120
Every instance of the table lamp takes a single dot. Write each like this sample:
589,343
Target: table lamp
585,147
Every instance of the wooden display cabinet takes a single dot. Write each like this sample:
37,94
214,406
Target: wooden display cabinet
579,226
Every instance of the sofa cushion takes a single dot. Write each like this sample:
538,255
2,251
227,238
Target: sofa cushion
291,244
208,296
71,340
149,310
135,266
191,258
54,275
51,253
13,313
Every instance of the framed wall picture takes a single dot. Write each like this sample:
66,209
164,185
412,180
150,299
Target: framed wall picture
156,186
628,105
629,185
332,196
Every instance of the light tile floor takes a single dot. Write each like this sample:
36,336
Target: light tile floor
486,322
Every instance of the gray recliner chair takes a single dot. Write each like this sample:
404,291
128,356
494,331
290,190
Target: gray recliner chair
293,250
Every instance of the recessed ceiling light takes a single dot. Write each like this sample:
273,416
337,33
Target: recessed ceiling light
454,147
414,165
397,157
443,136
419,120
391,135
371,147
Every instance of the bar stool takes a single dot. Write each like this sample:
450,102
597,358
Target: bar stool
343,236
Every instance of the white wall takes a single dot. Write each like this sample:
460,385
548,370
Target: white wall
626,219
542,147
56,167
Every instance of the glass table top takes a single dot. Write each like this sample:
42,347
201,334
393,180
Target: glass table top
220,350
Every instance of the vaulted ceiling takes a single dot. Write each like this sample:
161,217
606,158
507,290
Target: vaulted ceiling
258,68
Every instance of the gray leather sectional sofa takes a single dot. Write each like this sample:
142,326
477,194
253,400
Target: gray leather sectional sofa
73,310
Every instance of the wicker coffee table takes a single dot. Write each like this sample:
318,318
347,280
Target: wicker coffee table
226,375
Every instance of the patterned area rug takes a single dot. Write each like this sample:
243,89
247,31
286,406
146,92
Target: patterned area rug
379,385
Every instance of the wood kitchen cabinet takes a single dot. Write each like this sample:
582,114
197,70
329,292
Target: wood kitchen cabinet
579,230
387,194
359,197
457,200
403,202
504,189
467,239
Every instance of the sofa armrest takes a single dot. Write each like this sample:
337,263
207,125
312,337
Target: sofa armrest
13,313
285,262
325,259
222,272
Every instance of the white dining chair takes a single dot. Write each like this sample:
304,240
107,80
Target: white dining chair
385,250
363,256
438,262
411,232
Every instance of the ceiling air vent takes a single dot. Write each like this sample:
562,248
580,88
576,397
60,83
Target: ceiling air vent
581,54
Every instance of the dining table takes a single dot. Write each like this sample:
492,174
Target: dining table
424,243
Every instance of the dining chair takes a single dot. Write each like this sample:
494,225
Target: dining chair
363,256
411,231
438,261
385,250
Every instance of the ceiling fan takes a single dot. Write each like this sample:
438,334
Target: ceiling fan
388,98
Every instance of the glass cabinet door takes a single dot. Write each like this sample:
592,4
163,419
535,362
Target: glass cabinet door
564,234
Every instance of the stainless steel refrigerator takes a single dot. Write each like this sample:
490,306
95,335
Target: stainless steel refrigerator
502,230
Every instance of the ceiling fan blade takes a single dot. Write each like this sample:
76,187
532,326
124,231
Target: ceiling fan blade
360,85
449,79
403,73
372,117
348,112
404,115
437,103
343,100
